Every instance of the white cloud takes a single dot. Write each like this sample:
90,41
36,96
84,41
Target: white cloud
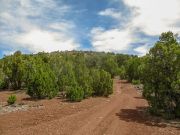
111,40
155,16
111,12
142,50
151,17
62,26
12,22
19,32
39,40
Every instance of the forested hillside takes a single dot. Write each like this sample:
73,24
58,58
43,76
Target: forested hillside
82,74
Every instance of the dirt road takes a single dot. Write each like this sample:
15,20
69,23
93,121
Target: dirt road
121,114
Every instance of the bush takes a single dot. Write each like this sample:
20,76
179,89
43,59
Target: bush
83,78
110,65
132,67
162,78
95,80
136,82
66,77
122,72
11,99
42,83
3,84
75,93
102,83
106,83
87,88
13,68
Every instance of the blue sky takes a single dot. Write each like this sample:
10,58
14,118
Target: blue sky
121,26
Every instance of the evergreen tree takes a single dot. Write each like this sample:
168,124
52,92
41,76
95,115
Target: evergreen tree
162,87
14,70
41,81
66,77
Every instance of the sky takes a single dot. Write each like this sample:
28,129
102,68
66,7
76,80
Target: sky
120,26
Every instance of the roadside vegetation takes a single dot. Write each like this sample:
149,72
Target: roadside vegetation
77,74
82,74
159,72
11,99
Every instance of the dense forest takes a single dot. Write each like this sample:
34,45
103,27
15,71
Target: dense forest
81,74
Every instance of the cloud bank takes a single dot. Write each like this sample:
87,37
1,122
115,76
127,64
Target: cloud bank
29,25
150,17
123,26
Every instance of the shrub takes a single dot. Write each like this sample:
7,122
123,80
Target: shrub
102,83
13,68
106,83
95,80
66,77
11,99
132,71
122,72
75,93
3,84
110,65
42,83
162,78
83,79
87,88
136,82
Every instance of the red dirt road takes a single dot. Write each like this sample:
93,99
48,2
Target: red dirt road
121,114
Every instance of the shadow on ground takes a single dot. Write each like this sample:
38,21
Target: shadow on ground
139,97
139,115
30,99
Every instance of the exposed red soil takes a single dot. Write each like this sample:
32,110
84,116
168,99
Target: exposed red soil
123,113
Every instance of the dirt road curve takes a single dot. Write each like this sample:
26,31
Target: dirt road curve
121,114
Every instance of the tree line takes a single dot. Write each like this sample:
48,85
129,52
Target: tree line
77,74
81,74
